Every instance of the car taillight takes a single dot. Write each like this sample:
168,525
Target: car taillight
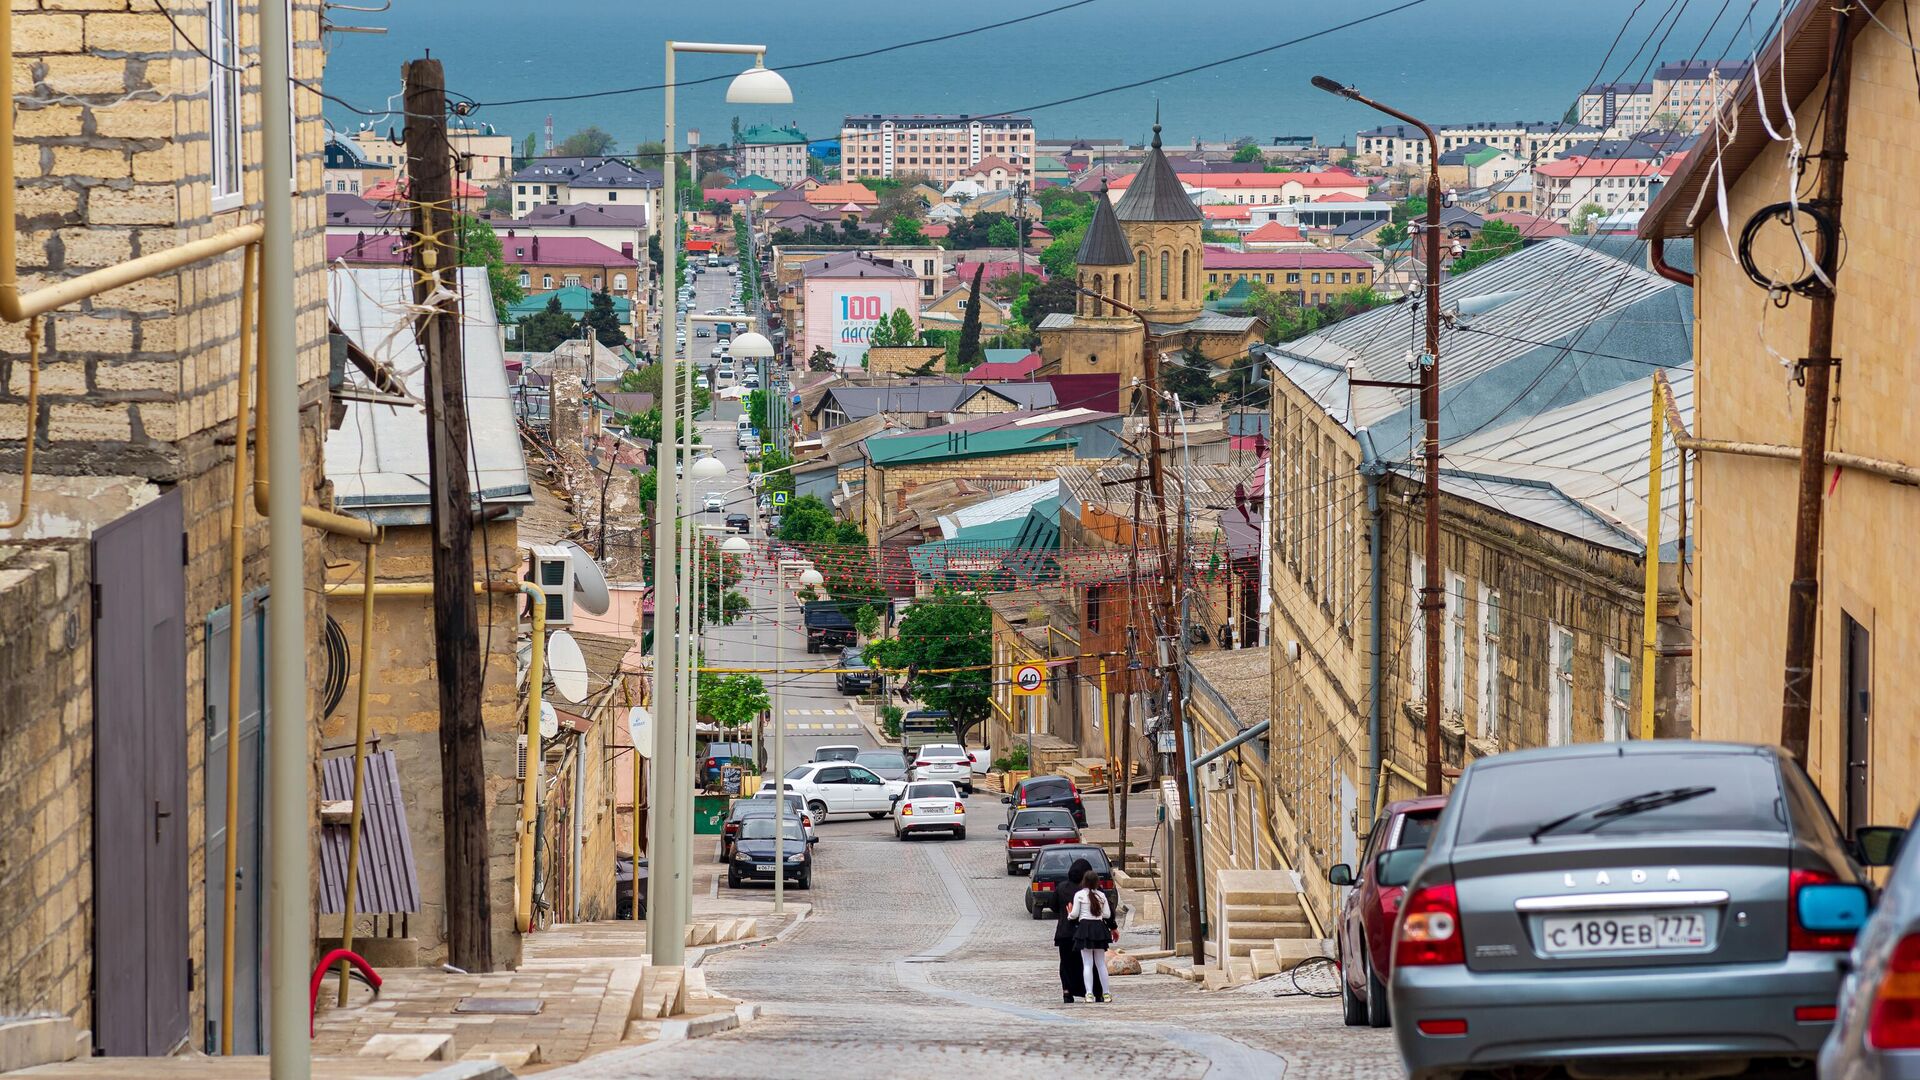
971,760
733,826
1430,929
959,808
1106,883
1799,938
1023,843
1894,1023
1043,886
1072,790
921,764
807,820
711,763
907,810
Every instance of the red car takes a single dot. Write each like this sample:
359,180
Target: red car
1364,940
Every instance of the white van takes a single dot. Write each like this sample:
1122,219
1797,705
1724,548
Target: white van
713,259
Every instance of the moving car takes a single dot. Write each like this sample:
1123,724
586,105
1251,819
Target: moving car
885,763
1363,941
944,761
702,332
836,752
1031,830
740,523
758,850
1877,1030
1612,908
715,502
930,806
1047,790
839,787
742,809
1047,879
856,681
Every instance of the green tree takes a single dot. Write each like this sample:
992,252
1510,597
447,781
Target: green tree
1009,287
589,141
1390,234
1411,208
544,331
866,620
771,478
646,425
970,353
1190,376
529,149
733,701
950,629
1250,151
1055,295
1582,222
894,330
905,232
1003,233
606,324
647,155
807,520
479,246
1497,238
821,359
645,379
1061,256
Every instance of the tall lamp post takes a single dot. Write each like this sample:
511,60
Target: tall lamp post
1432,595
670,845
809,577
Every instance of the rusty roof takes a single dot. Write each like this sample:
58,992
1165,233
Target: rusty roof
387,883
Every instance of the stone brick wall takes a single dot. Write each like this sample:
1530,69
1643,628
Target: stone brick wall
46,754
899,360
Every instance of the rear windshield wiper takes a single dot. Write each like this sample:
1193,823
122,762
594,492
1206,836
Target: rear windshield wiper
1619,808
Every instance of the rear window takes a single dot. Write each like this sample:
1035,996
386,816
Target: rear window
932,791
1056,859
1416,829
1054,788
1034,819
1511,801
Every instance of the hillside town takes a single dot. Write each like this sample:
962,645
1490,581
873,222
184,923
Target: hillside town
478,602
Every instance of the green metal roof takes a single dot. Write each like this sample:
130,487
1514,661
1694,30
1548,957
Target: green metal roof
763,134
971,548
756,182
1234,300
937,445
1481,157
575,300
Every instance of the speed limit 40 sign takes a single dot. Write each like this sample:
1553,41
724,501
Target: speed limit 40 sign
1029,679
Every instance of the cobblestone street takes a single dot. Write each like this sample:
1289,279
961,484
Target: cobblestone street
919,960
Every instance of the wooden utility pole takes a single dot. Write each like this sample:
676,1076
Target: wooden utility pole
456,628
1816,371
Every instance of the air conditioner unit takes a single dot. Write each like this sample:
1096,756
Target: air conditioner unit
553,572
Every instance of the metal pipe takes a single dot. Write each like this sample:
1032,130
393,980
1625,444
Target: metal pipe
236,576
1657,248
1251,733
1895,471
1650,616
361,724
1372,471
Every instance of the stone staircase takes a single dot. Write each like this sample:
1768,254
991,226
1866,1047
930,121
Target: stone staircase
1263,929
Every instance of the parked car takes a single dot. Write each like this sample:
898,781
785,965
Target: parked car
742,809
1613,907
1047,878
858,681
838,787
758,849
836,752
1047,790
885,763
1876,1031
1363,939
740,523
624,886
944,761
930,806
1032,830
719,754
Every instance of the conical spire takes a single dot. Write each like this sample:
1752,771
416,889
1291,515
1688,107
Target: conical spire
1156,194
1104,244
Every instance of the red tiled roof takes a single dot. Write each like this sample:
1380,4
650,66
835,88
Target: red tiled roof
1000,372
1275,233
729,195
1339,196
390,191
962,273
991,162
1222,259
1331,178
935,231
1571,167
1227,212
837,194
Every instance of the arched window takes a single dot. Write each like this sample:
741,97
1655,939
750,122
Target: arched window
1166,272
1094,301
1143,273
620,283
1081,303
1186,269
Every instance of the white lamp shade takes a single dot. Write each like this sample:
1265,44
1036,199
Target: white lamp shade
734,545
810,576
759,86
709,468
752,346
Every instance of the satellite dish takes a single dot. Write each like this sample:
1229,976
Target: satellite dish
567,666
640,725
549,721
589,584
523,660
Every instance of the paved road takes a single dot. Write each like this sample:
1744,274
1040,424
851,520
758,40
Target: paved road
918,961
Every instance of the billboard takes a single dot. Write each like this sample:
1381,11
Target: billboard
856,312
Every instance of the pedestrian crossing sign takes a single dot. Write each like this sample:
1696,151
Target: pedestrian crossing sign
779,498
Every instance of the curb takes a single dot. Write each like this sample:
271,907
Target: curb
705,951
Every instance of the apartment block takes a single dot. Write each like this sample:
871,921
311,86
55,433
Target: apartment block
943,147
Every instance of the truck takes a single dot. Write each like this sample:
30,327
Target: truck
828,627
922,727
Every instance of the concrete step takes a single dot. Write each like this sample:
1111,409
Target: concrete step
512,1056
1293,950
1240,972
1265,962
1267,930
1284,911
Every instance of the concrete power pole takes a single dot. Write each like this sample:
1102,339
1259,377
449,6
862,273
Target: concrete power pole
456,628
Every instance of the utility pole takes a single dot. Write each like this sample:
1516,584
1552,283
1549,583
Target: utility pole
456,631
1816,371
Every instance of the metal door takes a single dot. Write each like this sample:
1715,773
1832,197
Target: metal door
142,972
249,936
1858,658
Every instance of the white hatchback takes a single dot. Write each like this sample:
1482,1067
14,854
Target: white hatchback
930,806
842,787
944,761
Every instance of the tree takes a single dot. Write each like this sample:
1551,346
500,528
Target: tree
1055,295
1582,221
480,247
544,331
1061,257
646,425
589,141
822,359
894,329
1189,376
950,629
807,520
1390,234
772,479
1497,238
605,323
970,326
529,149
1411,208
1249,151
1008,287
645,379
648,154
1003,234
866,619
905,231
734,701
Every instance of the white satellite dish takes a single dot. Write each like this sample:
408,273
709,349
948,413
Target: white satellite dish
589,584
549,721
640,725
567,666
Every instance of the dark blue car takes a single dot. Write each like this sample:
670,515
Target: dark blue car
755,857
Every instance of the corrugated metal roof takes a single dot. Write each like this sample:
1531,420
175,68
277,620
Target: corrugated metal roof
1537,501
1008,507
1104,244
377,457
942,445
387,883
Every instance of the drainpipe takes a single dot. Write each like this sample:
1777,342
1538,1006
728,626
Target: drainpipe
1371,471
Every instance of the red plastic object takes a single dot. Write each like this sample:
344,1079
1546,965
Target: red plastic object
326,962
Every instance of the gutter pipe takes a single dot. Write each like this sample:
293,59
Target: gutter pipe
1372,469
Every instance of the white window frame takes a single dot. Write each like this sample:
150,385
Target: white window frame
227,162
1456,645
1560,654
1490,689
1619,723
1416,631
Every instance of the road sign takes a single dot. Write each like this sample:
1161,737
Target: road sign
779,498
1029,679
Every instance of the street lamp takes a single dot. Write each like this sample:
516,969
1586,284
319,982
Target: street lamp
670,845
809,577
752,347
1432,598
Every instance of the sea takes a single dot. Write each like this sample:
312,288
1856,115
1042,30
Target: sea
1098,70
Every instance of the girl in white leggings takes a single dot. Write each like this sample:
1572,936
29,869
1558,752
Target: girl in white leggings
1093,926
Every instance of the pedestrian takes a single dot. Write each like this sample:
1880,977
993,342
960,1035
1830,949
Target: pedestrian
1073,982
1094,928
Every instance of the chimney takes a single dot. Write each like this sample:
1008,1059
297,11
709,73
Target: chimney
626,249
536,249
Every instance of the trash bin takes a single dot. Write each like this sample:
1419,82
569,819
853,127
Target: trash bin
709,814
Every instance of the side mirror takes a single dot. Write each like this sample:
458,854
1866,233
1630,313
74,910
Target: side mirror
1831,908
1878,845
1396,868
1340,874
1007,800
1002,827
813,839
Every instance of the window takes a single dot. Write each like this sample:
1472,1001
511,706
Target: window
619,283
1278,477
572,280
1093,608
1213,279
1619,697
1143,273
1314,278
223,41
546,281
1416,631
1560,686
1346,277
525,280
1490,687
1186,265
1166,272
1292,278
1328,529
613,196
1456,655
